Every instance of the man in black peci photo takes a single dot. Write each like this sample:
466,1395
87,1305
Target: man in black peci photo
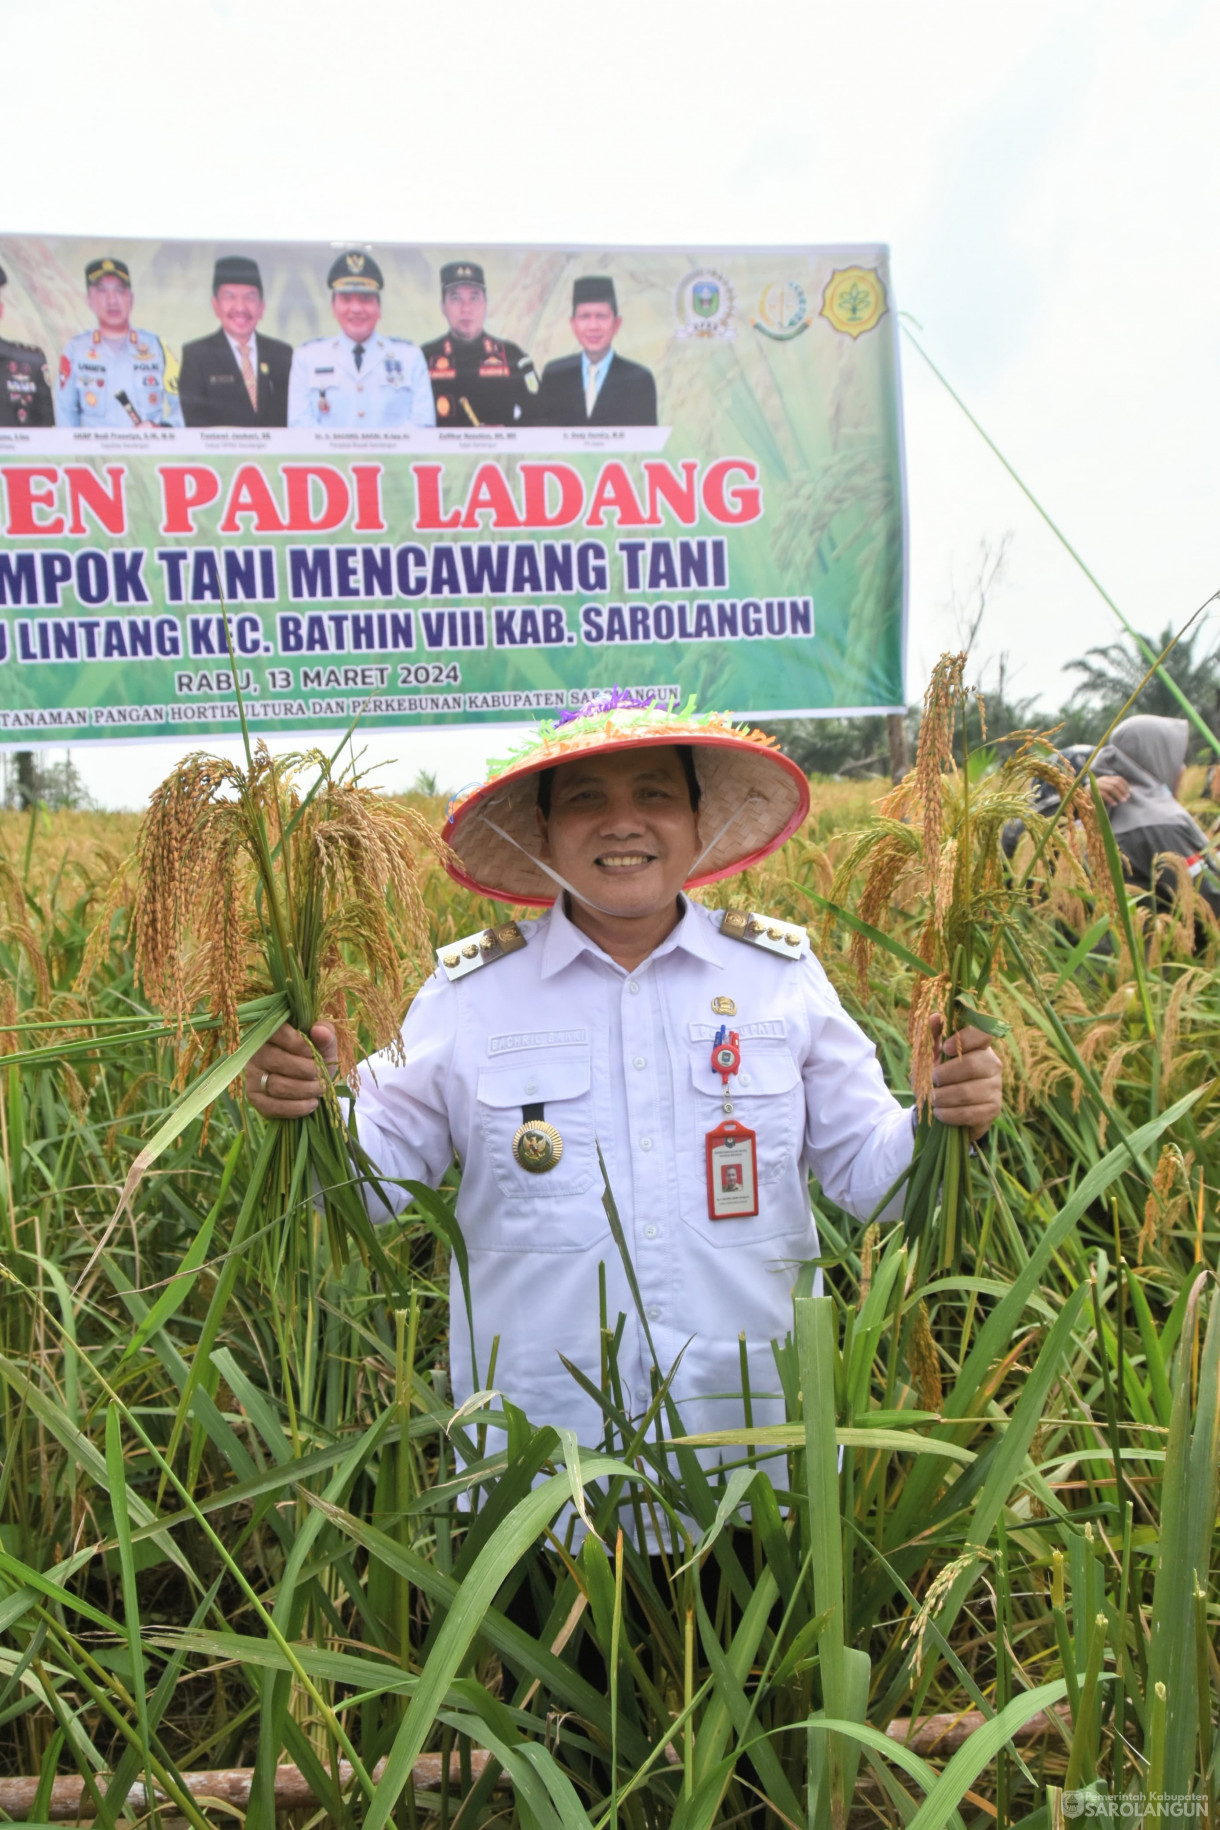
599,387
236,377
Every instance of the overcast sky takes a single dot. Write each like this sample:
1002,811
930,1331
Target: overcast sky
1045,173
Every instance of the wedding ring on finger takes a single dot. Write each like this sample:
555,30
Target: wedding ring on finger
262,1080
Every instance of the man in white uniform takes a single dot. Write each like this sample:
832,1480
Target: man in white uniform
359,380
705,1053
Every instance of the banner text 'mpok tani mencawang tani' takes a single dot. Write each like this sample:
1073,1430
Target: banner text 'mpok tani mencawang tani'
435,486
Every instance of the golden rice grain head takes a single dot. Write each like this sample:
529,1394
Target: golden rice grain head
174,869
945,887
934,754
1190,981
1168,1199
1133,1050
868,1248
938,1590
924,1360
928,996
22,934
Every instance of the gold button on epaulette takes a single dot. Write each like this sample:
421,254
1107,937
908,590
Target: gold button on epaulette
463,956
782,937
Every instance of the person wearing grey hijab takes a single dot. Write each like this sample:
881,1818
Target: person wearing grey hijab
1150,754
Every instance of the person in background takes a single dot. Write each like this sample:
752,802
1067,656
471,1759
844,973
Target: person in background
1149,822
113,378
1045,798
237,376
25,386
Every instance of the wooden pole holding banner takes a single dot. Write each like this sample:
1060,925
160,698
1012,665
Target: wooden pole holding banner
896,731
27,778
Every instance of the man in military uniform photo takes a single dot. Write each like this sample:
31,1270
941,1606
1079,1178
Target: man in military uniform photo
115,377
477,379
25,386
359,380
237,376
599,387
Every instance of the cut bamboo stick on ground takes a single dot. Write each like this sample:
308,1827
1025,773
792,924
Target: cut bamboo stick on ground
69,1802
944,1734
940,1734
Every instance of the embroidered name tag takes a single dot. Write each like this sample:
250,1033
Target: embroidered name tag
535,1038
704,1032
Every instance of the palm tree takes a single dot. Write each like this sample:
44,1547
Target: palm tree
1110,674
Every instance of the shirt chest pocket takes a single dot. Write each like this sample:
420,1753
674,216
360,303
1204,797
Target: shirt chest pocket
767,1096
559,1083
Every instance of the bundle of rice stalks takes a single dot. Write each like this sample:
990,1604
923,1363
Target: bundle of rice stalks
937,843
260,900
246,886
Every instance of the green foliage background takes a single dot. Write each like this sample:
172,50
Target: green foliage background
242,1546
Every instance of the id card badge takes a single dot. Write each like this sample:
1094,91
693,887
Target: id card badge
732,1172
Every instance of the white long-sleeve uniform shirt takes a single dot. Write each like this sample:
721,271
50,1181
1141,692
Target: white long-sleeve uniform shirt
390,388
623,1059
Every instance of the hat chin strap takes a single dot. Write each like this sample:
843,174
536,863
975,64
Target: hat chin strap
582,895
735,815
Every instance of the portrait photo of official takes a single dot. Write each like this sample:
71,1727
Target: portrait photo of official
237,376
115,376
477,379
359,380
25,386
598,387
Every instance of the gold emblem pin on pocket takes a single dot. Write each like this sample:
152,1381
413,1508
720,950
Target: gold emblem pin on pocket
537,1146
724,1007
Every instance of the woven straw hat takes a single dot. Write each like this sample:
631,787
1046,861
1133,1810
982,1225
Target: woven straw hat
752,797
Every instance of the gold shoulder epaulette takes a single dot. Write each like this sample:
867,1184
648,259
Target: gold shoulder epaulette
782,937
463,956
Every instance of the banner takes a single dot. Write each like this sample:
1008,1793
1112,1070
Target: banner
430,486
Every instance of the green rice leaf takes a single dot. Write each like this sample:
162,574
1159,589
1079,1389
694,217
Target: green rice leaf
874,936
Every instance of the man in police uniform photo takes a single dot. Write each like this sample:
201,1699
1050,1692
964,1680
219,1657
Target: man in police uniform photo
599,387
25,386
237,376
477,379
359,380
630,1025
115,377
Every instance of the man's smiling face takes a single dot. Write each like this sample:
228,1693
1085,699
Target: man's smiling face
622,831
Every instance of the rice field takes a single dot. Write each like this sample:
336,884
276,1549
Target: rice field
971,1580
